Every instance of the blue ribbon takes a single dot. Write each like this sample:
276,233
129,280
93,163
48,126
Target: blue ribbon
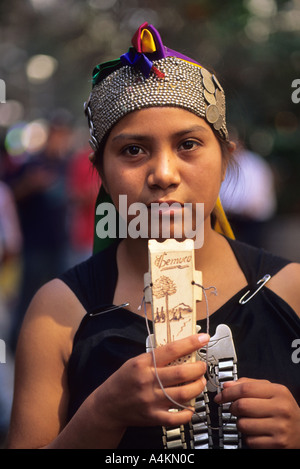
134,58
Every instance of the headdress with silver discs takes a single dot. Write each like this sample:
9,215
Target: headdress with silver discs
152,75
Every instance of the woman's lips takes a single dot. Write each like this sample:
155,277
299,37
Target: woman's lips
165,207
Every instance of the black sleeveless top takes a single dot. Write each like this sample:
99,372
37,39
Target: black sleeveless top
263,331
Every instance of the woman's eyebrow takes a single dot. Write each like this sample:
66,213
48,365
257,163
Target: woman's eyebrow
141,137
189,130
128,136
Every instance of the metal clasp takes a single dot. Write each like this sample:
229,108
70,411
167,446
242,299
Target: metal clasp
219,348
261,284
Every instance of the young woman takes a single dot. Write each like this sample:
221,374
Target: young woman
157,122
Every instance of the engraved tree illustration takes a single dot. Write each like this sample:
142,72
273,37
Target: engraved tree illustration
163,287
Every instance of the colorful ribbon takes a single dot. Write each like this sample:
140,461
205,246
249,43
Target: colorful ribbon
147,47
145,41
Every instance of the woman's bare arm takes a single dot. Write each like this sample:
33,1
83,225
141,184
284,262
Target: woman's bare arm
45,343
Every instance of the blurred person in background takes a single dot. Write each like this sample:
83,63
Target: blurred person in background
10,250
39,187
83,187
249,199
10,247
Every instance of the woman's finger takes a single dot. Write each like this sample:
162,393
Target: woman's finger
177,374
245,389
179,348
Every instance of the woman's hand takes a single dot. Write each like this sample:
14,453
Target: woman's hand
268,415
133,396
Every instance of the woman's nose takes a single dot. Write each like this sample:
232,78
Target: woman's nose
164,171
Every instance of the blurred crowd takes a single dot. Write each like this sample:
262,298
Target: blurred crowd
47,200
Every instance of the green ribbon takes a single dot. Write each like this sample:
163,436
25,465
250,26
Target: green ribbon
101,71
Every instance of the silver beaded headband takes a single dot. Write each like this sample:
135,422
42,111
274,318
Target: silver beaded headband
184,84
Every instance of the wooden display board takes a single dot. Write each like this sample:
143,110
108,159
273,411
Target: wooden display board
171,290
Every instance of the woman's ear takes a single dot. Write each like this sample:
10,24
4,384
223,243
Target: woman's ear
231,146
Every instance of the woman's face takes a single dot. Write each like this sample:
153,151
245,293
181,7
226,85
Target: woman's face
163,155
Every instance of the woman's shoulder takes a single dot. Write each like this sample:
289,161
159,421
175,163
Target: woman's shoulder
54,315
258,262
93,281
286,285
258,259
59,306
265,257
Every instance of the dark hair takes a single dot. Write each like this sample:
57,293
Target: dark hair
97,158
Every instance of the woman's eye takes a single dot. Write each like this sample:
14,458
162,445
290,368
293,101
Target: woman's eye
189,145
133,150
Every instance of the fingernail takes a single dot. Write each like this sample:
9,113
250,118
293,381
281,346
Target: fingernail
218,398
203,338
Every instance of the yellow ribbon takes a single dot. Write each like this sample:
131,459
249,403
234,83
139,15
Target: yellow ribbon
222,224
147,41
